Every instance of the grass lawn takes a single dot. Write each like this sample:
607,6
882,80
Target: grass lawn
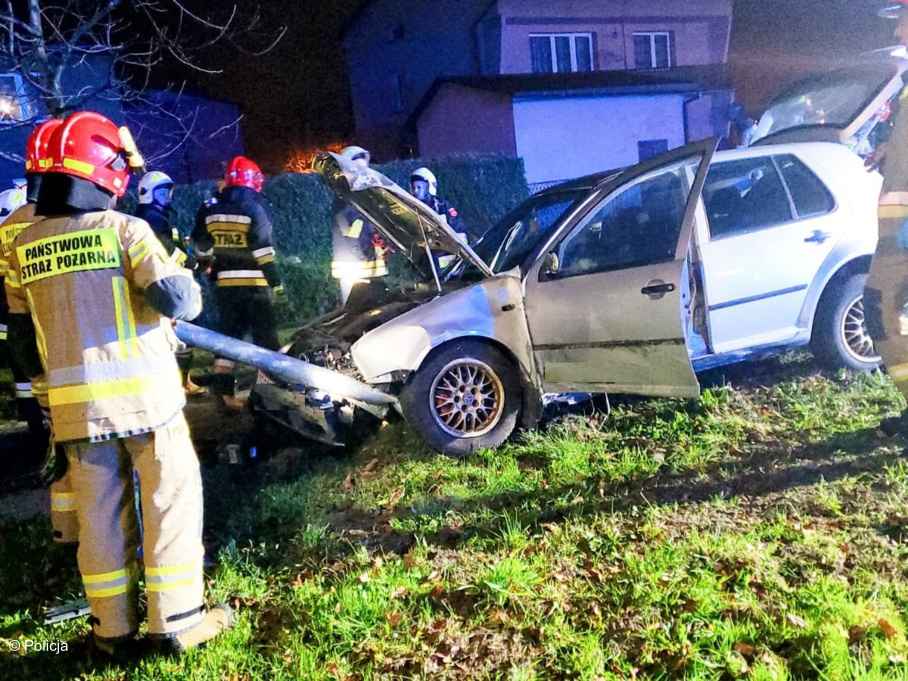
760,533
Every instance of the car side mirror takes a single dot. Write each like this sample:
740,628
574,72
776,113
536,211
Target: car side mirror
552,264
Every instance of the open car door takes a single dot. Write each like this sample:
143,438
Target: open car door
843,106
604,299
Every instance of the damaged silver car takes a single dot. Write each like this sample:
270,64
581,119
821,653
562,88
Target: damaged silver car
556,298
624,282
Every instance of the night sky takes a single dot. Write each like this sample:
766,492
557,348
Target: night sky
297,96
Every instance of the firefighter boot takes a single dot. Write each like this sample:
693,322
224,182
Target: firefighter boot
122,648
184,361
217,620
224,385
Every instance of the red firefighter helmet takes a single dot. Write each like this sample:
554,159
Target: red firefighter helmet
36,148
89,146
244,172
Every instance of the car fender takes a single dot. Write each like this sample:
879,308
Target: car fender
843,255
492,309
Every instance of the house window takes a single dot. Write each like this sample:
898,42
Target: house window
653,50
561,52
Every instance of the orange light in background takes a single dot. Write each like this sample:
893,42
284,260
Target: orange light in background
301,160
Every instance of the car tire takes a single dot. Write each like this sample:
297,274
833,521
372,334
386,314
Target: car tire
465,397
840,338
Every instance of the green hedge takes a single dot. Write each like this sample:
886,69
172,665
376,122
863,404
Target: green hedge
482,188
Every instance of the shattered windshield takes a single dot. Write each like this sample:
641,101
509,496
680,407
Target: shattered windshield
508,244
833,99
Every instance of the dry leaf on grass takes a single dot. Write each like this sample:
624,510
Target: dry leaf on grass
745,649
396,496
888,630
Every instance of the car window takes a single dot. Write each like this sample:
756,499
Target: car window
639,226
743,196
508,243
810,195
832,99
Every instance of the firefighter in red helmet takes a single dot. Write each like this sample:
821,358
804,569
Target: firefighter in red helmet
27,395
32,397
91,295
886,293
233,241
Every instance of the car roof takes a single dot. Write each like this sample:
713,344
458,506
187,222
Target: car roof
587,182
811,148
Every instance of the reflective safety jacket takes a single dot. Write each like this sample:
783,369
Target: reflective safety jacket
235,235
169,236
92,292
17,221
357,252
451,214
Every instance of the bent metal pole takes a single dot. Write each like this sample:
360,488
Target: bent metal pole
281,367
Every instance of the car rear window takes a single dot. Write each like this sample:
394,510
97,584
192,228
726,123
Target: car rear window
811,197
832,99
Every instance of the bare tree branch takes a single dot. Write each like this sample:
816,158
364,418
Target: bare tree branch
69,53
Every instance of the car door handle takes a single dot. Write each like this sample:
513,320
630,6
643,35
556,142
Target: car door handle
817,237
657,289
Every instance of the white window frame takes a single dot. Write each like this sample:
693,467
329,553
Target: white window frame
573,38
652,47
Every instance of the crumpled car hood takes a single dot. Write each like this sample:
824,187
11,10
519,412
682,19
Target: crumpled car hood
403,220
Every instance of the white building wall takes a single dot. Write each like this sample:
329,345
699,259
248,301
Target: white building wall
564,138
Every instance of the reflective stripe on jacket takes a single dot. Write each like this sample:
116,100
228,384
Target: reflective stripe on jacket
159,220
15,223
236,232
358,269
108,355
354,253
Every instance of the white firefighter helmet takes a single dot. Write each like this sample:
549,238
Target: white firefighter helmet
150,182
428,177
894,10
354,153
12,199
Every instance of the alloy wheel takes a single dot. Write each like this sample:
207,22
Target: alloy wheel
854,333
467,398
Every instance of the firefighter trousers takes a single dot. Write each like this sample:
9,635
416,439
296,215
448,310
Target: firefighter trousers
170,487
886,291
64,519
243,310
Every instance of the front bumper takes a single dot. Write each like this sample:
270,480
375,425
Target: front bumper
311,413
310,400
